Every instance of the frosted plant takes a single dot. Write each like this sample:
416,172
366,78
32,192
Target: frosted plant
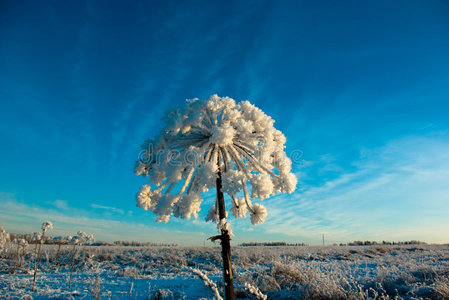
3,237
36,237
81,239
39,238
214,143
22,244
208,283
46,225
206,137
60,240
255,291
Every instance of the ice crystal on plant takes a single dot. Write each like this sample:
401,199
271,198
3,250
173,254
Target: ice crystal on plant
204,138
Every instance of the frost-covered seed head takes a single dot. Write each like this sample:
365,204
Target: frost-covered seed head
82,238
222,135
259,214
36,236
46,225
203,138
239,209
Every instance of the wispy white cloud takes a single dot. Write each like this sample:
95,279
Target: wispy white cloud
398,192
17,216
61,204
108,208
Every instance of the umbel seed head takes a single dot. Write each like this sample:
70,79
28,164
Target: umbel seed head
206,137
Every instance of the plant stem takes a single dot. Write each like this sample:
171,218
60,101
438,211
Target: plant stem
36,258
57,254
225,241
16,263
131,290
73,261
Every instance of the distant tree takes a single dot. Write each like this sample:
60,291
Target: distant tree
214,143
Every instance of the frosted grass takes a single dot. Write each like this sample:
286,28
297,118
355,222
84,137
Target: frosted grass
370,272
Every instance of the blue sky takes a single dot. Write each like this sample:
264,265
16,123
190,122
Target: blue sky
360,89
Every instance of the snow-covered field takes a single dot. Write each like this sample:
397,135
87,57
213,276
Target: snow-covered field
339,272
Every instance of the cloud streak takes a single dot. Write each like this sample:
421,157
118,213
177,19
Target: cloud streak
108,208
25,218
397,192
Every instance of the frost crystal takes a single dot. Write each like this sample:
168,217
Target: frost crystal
203,138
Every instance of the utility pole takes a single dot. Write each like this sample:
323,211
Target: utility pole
323,239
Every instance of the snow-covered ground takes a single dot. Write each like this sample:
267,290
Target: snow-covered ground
116,272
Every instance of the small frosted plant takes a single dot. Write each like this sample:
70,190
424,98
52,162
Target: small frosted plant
255,291
60,240
3,237
81,239
36,239
20,255
215,143
40,238
208,283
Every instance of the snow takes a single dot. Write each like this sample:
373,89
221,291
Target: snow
295,272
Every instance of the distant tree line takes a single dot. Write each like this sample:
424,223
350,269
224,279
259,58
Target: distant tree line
370,243
29,238
271,244
354,243
61,241
142,244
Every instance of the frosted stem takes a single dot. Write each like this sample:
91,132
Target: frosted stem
192,183
225,158
261,168
234,201
161,187
208,117
200,130
207,157
237,161
222,116
247,200
170,188
186,182
248,147
214,154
